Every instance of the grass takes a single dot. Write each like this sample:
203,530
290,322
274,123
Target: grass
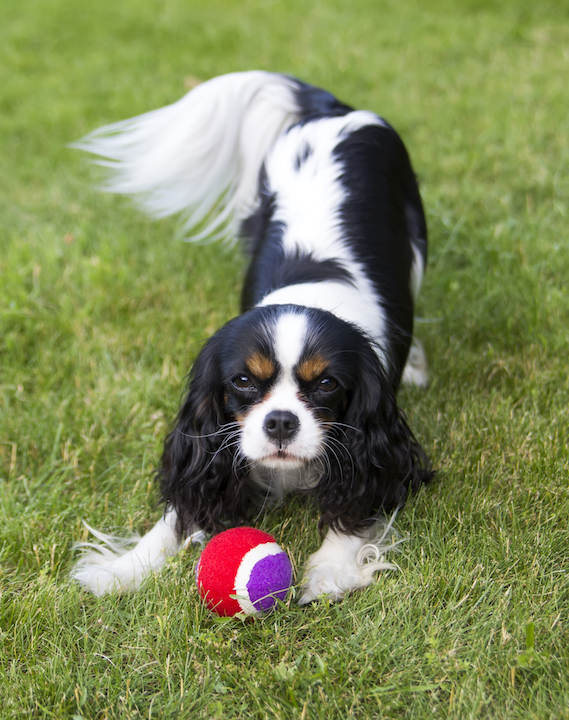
101,313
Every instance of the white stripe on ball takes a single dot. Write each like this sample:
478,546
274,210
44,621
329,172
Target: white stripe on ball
243,575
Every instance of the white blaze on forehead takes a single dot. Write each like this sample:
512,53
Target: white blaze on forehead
289,339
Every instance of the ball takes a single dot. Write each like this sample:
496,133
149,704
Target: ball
243,571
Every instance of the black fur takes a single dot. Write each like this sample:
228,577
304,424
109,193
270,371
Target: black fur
381,215
313,102
201,475
377,459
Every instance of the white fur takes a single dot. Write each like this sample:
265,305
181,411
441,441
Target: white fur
289,338
416,371
308,201
278,479
201,154
355,304
122,564
417,270
347,562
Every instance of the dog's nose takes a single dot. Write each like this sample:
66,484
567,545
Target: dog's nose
281,425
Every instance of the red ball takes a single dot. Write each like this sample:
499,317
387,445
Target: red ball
243,571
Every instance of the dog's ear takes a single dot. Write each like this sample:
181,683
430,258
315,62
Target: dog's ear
200,474
376,458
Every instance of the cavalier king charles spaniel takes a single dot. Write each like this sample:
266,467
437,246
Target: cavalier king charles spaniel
297,394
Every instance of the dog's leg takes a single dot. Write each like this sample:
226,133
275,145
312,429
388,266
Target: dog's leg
416,371
122,564
347,562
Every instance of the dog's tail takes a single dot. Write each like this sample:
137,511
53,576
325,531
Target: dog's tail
202,155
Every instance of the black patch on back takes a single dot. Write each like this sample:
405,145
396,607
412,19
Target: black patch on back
382,218
303,268
272,269
314,102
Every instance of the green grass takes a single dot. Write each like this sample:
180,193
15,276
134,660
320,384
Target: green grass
102,312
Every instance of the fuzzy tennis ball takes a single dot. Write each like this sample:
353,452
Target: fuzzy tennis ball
243,571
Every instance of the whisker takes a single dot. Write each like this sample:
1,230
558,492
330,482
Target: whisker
223,428
329,442
239,458
324,464
334,423
329,447
227,442
221,448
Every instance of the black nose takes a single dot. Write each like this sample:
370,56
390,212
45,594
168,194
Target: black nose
281,425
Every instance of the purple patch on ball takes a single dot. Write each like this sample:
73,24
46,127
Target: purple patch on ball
272,574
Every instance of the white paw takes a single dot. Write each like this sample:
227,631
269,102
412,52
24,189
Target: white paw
331,581
416,371
343,563
123,564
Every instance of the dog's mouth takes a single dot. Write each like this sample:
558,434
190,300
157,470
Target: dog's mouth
283,454
282,457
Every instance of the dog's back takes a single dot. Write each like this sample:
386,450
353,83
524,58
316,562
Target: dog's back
321,193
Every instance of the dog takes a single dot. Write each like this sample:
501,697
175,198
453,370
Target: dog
298,393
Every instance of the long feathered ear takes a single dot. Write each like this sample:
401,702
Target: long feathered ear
376,458
201,476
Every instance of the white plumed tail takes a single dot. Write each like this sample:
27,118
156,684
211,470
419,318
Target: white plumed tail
202,155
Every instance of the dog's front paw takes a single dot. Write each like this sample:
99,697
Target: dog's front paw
342,564
331,581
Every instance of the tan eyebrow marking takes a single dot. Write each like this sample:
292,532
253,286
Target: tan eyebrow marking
312,368
260,366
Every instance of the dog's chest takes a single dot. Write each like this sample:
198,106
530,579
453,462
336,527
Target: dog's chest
275,483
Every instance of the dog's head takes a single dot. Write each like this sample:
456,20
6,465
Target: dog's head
287,387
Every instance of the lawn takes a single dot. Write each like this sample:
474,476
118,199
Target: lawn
102,312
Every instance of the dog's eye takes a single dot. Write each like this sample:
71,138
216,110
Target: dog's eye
243,382
327,384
